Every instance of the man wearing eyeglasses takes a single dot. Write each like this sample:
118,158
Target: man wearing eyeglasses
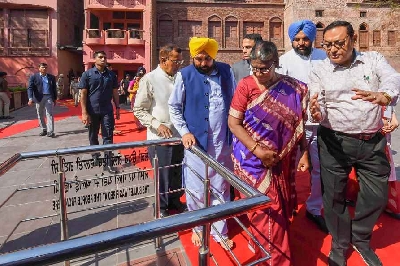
151,108
297,64
348,91
198,108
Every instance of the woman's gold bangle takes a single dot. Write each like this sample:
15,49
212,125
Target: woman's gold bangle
254,147
388,97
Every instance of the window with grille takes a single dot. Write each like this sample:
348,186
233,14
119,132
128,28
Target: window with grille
392,38
29,30
189,28
232,34
319,13
376,37
127,15
165,30
363,14
215,30
252,27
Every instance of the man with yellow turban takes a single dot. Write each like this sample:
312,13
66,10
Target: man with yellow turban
198,109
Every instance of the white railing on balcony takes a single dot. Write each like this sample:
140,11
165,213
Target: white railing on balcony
135,34
115,3
93,33
114,37
115,34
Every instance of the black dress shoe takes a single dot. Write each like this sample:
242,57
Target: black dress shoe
337,257
43,133
318,220
164,213
51,135
178,206
369,256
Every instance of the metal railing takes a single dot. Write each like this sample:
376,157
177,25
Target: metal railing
74,248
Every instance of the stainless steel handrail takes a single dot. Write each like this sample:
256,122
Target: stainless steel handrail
78,247
226,173
64,251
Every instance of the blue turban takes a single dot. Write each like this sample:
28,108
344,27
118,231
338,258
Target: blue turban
307,26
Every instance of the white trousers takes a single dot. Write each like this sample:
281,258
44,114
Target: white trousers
314,201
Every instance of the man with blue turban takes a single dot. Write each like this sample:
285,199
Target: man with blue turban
297,63
198,108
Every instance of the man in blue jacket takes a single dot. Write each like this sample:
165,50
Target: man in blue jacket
198,108
42,90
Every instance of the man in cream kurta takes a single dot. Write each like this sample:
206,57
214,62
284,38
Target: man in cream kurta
151,108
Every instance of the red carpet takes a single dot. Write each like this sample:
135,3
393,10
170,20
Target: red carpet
17,128
309,246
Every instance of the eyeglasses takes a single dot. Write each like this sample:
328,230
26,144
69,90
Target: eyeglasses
338,44
263,70
177,62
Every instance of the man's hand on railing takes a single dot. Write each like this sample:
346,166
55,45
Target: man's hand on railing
188,140
164,131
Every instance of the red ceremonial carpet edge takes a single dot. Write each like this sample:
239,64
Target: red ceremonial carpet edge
309,246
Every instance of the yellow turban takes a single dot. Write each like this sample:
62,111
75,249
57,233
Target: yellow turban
197,45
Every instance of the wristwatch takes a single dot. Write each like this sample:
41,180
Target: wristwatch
388,97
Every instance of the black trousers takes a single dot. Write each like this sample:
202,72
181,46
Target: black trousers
106,122
338,154
171,177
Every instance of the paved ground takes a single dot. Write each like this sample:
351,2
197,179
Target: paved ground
29,199
27,194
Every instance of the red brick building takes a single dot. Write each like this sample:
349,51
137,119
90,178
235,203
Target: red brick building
377,25
225,20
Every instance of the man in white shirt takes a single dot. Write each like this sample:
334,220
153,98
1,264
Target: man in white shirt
348,91
151,108
297,64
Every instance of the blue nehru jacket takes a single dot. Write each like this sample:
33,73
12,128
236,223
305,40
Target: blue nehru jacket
100,90
195,112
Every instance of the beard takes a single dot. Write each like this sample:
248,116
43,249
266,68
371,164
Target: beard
205,69
306,51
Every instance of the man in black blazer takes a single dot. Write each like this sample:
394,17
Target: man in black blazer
242,69
42,90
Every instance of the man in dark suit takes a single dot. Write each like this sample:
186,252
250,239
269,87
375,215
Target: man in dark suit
241,69
42,90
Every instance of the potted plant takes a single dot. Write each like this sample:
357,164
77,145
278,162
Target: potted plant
19,97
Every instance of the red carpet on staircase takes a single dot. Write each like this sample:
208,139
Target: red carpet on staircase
310,247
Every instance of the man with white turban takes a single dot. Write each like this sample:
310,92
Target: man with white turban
198,108
297,63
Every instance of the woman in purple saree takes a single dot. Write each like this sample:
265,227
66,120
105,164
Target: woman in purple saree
267,119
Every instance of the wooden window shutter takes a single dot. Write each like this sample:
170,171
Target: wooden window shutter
391,38
376,37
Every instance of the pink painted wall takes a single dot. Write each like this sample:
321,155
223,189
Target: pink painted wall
122,57
19,68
